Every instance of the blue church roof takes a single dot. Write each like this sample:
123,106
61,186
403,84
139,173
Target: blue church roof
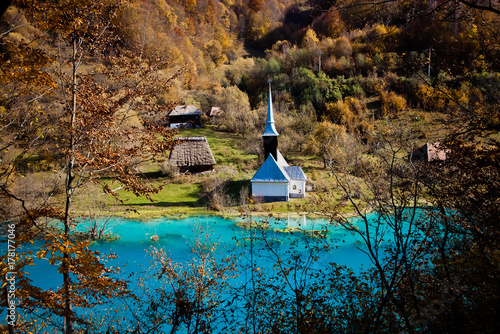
295,173
270,171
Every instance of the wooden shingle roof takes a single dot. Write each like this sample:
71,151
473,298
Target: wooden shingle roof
188,110
191,151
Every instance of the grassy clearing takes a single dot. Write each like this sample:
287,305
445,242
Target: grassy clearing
224,145
182,195
175,198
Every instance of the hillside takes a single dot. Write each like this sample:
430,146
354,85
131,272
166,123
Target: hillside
374,73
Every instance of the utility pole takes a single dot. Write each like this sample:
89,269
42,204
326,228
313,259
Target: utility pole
319,61
429,64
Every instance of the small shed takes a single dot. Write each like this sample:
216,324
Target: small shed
185,116
430,152
215,112
192,155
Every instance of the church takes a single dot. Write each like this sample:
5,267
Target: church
276,180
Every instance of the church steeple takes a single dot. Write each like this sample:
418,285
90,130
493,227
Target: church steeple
270,135
270,128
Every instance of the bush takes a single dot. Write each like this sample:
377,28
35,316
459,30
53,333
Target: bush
392,103
356,105
429,99
373,85
168,170
340,113
215,188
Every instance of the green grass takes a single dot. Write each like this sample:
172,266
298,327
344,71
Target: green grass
175,198
224,146
171,195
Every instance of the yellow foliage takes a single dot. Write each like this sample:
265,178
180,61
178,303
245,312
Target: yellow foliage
259,27
310,39
326,131
342,47
378,30
167,12
392,103
223,38
340,112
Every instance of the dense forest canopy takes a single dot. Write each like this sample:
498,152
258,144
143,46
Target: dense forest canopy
85,87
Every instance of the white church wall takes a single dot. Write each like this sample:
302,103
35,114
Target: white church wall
270,191
297,189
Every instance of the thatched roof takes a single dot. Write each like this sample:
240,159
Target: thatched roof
191,152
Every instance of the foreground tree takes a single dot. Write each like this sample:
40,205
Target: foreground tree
84,126
432,239
189,297
387,187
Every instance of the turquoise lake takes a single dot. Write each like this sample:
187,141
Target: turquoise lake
177,237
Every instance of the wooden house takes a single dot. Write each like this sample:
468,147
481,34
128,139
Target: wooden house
185,116
215,112
192,155
430,152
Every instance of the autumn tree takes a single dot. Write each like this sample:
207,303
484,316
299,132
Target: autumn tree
189,297
464,195
86,125
320,143
393,238
464,192
237,116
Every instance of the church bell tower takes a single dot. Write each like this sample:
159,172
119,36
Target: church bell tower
270,135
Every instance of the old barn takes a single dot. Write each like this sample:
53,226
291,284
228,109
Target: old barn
185,116
192,155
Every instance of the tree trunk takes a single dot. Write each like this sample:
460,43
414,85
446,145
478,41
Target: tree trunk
69,195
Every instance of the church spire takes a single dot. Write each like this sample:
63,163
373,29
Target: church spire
270,135
270,128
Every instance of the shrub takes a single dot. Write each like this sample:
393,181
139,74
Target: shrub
168,170
365,131
357,90
215,188
342,47
363,63
356,105
392,103
373,85
429,99
340,113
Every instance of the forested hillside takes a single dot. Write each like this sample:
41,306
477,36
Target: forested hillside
357,86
